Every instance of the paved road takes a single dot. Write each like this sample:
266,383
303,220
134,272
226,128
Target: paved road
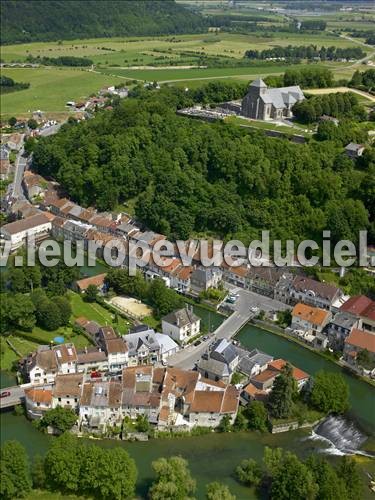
187,357
53,129
17,393
21,162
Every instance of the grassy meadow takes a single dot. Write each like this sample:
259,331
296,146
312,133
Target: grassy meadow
119,59
50,89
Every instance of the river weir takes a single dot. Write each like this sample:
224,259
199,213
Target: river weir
341,435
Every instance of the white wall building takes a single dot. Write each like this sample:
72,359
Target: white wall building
17,232
181,325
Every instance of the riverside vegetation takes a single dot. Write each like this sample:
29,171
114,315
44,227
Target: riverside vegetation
67,467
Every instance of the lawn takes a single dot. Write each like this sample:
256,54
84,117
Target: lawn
8,357
50,89
175,74
296,129
95,312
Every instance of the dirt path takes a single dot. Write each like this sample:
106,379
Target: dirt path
340,89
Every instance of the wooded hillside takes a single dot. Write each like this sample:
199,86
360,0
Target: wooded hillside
45,20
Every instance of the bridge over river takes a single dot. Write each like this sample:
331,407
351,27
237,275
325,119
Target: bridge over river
16,396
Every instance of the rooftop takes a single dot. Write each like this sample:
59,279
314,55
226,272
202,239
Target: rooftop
313,315
25,224
361,339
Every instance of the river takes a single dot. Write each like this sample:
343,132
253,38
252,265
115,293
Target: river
214,456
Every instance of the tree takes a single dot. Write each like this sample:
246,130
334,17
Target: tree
163,299
12,121
60,418
65,309
48,315
38,473
364,359
249,472
173,479
331,486
283,391
15,475
257,417
32,124
330,392
292,479
63,462
91,293
218,491
113,476
17,311
142,423
225,424
348,472
240,424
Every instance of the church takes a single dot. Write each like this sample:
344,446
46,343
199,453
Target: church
263,103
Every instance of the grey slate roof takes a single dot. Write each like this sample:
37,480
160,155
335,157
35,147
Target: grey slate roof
181,318
344,320
253,358
213,366
223,351
258,83
280,97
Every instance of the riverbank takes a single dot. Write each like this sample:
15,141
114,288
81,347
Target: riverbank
278,331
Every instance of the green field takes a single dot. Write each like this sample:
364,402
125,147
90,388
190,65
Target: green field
50,89
175,74
144,51
91,311
95,312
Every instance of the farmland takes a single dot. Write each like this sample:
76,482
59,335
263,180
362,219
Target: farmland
145,59
144,51
50,88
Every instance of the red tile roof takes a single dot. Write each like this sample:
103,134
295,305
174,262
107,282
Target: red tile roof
39,395
97,280
361,339
313,315
278,365
360,305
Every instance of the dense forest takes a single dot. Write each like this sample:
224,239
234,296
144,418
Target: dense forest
45,20
189,177
309,52
364,80
339,105
309,77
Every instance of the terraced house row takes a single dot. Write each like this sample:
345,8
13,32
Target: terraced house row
167,397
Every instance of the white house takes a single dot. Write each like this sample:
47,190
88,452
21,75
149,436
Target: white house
16,232
118,356
41,366
67,390
181,325
66,357
37,401
147,347
100,404
309,319
91,359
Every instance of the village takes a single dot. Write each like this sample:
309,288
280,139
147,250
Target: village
180,378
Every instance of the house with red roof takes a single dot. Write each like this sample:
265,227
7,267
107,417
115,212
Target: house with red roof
363,308
357,341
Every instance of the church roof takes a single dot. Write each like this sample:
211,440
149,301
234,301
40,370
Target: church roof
258,83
